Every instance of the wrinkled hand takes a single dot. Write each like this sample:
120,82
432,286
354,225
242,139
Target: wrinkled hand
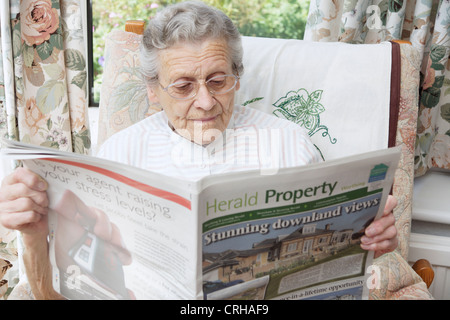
24,202
24,207
381,235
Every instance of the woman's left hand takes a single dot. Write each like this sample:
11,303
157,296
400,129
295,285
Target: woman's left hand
381,235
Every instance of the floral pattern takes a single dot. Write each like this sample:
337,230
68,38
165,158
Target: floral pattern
406,133
395,281
43,88
39,21
425,25
123,93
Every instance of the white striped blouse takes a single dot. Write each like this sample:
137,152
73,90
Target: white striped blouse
253,140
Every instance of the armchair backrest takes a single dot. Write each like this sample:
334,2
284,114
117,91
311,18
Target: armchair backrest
350,98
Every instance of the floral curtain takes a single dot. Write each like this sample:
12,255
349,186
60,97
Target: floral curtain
43,87
424,23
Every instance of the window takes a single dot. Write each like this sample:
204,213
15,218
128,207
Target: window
292,247
261,18
323,240
307,245
309,229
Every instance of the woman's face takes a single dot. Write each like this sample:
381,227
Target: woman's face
204,116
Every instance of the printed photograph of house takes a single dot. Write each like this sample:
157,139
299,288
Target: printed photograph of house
306,244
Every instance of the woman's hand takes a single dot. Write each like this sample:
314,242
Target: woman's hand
24,202
381,235
24,207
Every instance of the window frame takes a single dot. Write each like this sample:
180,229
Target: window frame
90,55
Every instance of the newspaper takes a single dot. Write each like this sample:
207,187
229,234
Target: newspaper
118,232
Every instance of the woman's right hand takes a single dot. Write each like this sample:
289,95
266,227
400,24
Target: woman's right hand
24,202
24,207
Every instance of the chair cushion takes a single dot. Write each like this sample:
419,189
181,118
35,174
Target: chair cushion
123,95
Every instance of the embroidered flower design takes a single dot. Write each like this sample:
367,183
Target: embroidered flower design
303,108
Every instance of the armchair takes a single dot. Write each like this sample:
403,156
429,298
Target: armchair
351,98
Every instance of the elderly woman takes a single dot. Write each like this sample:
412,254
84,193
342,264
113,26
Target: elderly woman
192,59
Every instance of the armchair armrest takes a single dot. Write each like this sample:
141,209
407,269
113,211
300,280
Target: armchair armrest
423,268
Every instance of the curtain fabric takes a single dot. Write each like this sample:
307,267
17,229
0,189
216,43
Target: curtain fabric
424,23
43,84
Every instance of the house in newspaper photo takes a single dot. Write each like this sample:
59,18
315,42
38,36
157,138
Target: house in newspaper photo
301,248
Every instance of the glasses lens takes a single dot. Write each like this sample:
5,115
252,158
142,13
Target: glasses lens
221,84
182,89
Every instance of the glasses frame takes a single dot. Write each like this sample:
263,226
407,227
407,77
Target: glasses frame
200,82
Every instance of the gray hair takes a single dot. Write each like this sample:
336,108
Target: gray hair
191,21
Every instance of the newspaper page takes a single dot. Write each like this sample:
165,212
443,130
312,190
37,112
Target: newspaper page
296,234
118,232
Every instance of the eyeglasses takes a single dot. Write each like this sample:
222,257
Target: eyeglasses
217,85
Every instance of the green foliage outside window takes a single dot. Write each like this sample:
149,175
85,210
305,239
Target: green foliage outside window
260,18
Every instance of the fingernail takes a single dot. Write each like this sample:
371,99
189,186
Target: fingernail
369,232
42,185
365,240
366,247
